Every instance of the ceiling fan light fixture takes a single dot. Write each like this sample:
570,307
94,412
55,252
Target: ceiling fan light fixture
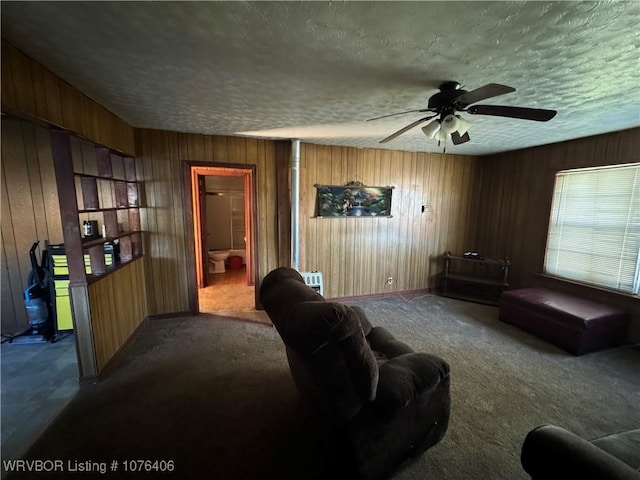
463,125
452,98
431,129
449,123
441,136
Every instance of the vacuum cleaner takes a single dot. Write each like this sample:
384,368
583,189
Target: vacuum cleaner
37,301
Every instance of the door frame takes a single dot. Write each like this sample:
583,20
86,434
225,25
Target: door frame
201,229
191,171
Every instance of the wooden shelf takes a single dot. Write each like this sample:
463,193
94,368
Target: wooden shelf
480,280
486,261
110,209
472,298
106,191
102,177
94,277
97,241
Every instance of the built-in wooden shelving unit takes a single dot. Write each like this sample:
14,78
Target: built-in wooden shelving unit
108,298
111,197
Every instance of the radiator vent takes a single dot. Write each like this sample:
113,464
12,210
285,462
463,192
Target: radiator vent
313,280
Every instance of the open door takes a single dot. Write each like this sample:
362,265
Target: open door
204,236
196,220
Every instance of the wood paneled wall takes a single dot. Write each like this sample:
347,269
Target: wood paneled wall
508,216
30,211
118,305
357,254
515,202
31,90
162,155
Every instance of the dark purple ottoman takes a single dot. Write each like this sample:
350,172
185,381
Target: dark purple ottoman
575,324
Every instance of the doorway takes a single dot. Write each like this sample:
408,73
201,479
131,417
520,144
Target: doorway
223,221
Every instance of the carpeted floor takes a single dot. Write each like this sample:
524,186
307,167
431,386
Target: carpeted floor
214,395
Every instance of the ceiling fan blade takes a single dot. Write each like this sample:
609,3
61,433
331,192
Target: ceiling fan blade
537,114
405,129
399,113
457,139
482,93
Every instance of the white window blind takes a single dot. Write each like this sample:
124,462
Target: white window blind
594,229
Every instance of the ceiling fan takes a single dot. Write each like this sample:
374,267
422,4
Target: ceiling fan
452,99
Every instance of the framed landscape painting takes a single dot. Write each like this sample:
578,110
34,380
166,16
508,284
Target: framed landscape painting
353,201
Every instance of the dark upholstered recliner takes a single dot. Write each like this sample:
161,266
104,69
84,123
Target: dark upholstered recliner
383,401
550,452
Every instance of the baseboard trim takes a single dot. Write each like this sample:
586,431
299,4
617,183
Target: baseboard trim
402,294
161,316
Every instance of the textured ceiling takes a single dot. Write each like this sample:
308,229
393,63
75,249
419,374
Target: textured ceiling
318,70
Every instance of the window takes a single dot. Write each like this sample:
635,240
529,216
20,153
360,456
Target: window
594,228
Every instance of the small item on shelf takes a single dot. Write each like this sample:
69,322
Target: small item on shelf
473,255
113,249
90,228
104,231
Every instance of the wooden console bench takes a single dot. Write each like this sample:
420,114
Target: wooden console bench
575,324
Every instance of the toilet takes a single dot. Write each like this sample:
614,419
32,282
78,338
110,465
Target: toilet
216,260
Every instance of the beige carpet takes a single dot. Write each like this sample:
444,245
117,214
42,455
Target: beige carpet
215,396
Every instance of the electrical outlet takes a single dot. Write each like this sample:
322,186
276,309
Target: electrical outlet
390,281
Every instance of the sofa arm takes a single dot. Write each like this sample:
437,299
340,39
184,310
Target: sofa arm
551,452
406,377
381,341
